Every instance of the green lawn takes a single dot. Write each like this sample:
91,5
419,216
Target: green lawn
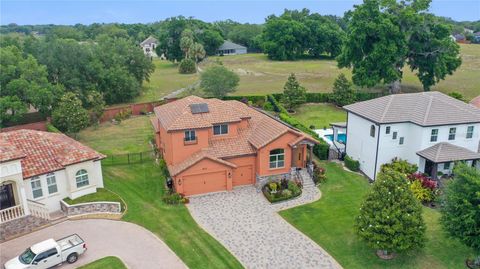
259,75
102,195
164,80
130,136
142,187
329,222
319,115
109,262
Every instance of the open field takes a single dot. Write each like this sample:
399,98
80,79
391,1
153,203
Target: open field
258,75
329,222
142,187
105,263
319,115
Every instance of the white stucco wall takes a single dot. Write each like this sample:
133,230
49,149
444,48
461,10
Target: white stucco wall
360,145
66,184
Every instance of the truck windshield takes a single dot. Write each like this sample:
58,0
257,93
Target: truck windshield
27,256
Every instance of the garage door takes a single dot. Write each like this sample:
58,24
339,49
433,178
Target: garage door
243,175
204,183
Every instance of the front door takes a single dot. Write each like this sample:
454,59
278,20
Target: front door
6,196
428,167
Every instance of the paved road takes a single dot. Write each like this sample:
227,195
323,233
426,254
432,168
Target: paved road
250,228
136,246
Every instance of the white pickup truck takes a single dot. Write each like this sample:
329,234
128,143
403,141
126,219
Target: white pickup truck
49,253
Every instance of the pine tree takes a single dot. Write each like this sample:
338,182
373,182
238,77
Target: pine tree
343,93
390,218
293,93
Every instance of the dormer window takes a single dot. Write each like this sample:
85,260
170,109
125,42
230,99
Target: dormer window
220,129
190,136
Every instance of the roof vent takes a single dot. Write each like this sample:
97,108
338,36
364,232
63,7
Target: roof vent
199,108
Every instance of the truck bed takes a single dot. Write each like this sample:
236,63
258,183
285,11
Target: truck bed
70,241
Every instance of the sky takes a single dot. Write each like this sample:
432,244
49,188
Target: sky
252,11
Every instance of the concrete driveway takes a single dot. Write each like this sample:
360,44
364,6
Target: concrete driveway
250,228
136,246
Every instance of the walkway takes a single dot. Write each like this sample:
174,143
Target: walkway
250,228
136,246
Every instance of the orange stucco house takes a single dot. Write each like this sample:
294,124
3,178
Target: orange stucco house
211,145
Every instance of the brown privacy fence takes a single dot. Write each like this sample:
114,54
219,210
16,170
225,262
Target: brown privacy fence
129,158
133,109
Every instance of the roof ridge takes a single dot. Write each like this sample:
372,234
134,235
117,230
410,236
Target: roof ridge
385,110
440,145
427,112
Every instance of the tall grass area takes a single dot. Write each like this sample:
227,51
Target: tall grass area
329,222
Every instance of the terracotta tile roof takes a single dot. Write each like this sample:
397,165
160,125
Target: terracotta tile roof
195,158
424,109
8,152
446,152
261,129
47,152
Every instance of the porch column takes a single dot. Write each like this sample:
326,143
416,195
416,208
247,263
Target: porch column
23,198
310,157
435,171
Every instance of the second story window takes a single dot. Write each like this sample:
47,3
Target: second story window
220,129
372,131
394,136
401,140
190,135
469,131
387,130
434,135
451,133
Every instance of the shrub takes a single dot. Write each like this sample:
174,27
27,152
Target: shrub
267,106
187,66
273,187
421,193
352,164
172,198
293,188
312,127
425,181
286,193
401,166
52,129
319,174
164,168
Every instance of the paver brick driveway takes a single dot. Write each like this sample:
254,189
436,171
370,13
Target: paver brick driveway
250,228
136,246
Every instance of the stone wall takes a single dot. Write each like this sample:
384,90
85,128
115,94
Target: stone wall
262,180
91,208
17,227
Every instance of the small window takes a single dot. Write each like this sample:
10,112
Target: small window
451,133
402,139
387,130
52,183
220,129
81,178
446,166
190,135
394,136
372,131
434,135
36,187
277,158
470,131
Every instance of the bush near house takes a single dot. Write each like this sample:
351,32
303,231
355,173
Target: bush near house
319,174
352,164
277,191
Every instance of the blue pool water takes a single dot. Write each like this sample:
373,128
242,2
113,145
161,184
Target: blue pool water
342,138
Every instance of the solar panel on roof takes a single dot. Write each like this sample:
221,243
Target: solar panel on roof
199,108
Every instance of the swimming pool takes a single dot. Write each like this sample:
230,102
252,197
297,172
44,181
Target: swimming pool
342,138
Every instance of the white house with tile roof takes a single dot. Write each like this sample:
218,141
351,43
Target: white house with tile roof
429,129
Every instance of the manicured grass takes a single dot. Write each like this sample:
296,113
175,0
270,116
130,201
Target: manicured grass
102,195
130,136
319,115
329,222
142,186
164,80
109,262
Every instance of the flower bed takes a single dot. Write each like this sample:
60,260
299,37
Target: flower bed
277,191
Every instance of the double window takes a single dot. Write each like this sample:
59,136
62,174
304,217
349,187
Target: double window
36,187
190,135
470,131
277,158
51,183
81,178
220,129
434,135
451,133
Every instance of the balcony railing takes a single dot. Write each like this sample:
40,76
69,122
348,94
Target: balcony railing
11,213
38,209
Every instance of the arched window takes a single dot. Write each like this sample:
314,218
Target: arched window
81,178
372,131
277,158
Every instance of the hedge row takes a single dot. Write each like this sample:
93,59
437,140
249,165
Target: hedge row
252,98
322,97
320,150
352,164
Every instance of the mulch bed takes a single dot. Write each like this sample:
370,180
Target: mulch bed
383,256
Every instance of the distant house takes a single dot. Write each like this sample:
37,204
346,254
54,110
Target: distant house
476,37
429,129
230,48
461,39
149,45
